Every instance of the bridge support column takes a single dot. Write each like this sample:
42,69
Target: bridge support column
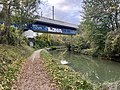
31,42
48,39
70,44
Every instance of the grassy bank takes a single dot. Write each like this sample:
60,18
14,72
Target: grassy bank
10,60
64,76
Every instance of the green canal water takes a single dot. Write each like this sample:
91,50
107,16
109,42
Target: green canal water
93,69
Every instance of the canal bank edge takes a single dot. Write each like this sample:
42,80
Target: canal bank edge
64,76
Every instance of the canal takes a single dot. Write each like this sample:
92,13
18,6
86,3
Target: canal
93,69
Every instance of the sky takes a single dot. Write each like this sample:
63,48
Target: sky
65,10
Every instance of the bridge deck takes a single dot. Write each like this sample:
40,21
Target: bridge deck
56,22
46,25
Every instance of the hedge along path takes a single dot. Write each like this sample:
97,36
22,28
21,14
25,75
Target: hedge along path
33,75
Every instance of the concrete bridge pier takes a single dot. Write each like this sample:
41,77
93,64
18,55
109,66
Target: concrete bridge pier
70,48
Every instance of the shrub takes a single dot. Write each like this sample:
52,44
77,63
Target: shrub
41,41
78,43
112,45
15,37
46,40
87,51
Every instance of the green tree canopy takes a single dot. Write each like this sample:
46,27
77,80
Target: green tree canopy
19,12
99,18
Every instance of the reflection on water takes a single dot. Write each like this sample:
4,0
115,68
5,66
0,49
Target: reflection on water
97,70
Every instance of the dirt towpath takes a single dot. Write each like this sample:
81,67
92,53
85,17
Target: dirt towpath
33,75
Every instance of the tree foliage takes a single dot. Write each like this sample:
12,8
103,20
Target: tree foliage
112,45
18,12
99,18
15,37
79,43
46,40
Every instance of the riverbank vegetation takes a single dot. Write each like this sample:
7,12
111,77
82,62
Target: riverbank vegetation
11,58
12,55
99,29
14,15
49,41
64,76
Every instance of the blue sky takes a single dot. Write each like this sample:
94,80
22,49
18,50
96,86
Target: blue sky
65,10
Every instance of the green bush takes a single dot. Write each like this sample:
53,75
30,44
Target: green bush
14,37
79,43
41,41
64,76
112,45
87,51
46,40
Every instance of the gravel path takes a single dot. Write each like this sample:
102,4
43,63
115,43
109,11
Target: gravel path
33,75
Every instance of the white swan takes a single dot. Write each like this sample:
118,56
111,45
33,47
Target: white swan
64,62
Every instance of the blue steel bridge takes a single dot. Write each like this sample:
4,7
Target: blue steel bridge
46,25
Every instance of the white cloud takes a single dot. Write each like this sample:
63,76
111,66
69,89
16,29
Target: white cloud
65,10
54,2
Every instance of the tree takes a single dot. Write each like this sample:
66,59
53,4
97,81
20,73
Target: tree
25,11
17,11
99,18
